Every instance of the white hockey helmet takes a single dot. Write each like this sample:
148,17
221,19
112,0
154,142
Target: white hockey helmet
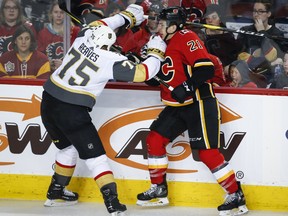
100,36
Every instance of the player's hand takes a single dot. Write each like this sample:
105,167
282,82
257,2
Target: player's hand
181,92
156,47
133,14
134,58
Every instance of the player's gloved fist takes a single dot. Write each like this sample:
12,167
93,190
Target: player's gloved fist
133,15
156,47
134,58
181,92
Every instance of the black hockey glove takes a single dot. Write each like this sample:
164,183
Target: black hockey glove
182,91
134,58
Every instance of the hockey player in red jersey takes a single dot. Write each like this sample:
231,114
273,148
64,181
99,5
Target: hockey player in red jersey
71,92
191,106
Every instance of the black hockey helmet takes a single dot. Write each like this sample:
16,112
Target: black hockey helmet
174,16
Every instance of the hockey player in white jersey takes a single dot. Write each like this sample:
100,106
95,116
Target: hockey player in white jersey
71,92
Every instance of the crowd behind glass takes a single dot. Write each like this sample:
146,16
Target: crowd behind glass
32,38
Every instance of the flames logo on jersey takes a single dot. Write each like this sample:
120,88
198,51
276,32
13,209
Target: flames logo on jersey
5,44
194,15
194,9
55,50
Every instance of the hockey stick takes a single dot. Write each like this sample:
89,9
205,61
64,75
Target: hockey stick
163,83
212,27
63,6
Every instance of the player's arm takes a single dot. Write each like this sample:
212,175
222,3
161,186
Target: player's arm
129,71
132,16
203,70
137,60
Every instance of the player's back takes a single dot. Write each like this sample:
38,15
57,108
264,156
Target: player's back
84,72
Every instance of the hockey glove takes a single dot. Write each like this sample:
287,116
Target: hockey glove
133,15
156,47
134,58
182,91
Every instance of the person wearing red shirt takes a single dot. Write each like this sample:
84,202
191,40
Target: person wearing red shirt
239,72
50,38
11,18
24,61
219,76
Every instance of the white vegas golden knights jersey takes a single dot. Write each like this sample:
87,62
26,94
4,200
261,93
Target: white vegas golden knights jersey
86,70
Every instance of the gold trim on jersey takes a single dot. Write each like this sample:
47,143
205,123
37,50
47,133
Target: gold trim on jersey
199,64
203,124
219,121
71,90
271,55
96,23
140,73
177,104
131,17
197,95
189,70
156,52
45,68
21,59
2,69
19,76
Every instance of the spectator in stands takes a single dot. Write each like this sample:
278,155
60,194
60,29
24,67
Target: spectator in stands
36,11
260,52
24,61
281,80
219,43
137,44
219,78
240,75
50,38
112,9
11,17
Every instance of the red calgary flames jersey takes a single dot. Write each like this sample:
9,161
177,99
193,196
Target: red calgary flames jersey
184,52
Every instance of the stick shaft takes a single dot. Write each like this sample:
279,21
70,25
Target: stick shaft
163,83
212,27
63,6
